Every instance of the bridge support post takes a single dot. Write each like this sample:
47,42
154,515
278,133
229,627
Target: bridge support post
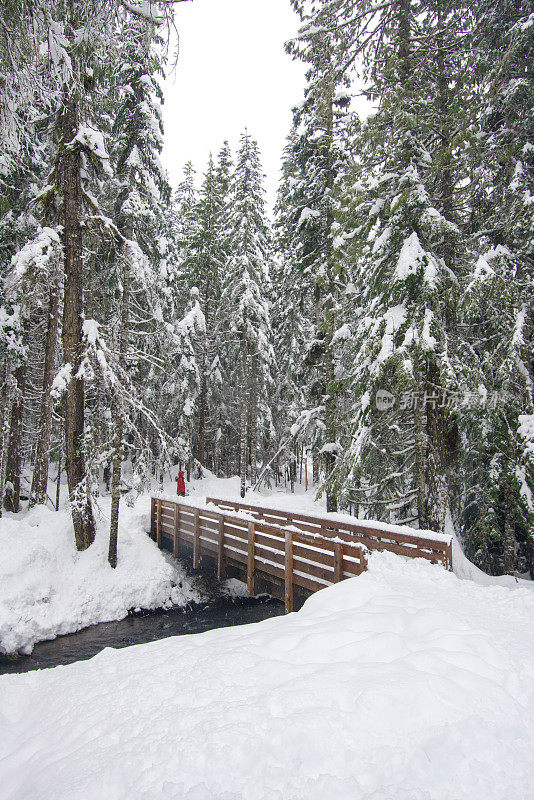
176,530
196,540
158,523
221,566
338,562
289,572
251,557
153,513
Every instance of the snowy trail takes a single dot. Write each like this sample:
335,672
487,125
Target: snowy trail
403,684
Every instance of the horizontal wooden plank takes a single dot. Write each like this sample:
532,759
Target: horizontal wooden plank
276,542
313,570
272,570
352,568
208,524
314,554
276,556
304,581
270,530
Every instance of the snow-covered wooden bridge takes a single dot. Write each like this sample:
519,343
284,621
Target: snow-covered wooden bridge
281,552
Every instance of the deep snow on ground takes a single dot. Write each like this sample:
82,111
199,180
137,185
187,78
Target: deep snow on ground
47,588
403,684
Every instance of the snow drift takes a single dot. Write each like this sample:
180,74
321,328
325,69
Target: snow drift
403,684
47,588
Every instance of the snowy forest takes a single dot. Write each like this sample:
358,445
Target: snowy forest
378,324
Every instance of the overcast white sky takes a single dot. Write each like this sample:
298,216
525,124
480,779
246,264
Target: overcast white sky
232,73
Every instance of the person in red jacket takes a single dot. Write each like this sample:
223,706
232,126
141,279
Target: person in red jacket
180,484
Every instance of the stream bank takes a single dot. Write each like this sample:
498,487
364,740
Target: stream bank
220,612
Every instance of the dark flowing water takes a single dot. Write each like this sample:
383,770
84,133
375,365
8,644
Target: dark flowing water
221,612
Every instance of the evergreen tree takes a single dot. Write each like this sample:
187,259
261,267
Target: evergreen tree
498,527
319,161
243,310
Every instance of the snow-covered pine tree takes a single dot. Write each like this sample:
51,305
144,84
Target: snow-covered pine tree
208,255
405,241
140,190
499,523
291,316
243,324
318,163
74,65
219,422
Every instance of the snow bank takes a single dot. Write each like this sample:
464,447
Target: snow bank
402,684
47,588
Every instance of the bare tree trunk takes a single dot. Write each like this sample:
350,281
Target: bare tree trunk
77,479
58,479
243,433
4,427
509,530
14,454
420,449
203,396
201,443
42,458
450,444
293,466
253,419
119,412
330,419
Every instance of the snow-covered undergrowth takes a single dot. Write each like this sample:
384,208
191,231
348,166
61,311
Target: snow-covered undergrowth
403,684
47,588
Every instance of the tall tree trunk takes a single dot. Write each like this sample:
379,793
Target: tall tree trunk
77,479
14,451
253,418
42,458
119,411
450,428
201,440
420,461
58,478
509,529
203,396
332,393
436,478
243,432
4,427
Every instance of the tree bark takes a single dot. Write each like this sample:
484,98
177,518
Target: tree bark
119,411
203,396
77,479
4,427
253,419
450,427
243,433
14,454
58,479
509,530
42,457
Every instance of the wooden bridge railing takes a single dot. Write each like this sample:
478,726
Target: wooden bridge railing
287,557
435,548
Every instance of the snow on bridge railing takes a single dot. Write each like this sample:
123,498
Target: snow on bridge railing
434,547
